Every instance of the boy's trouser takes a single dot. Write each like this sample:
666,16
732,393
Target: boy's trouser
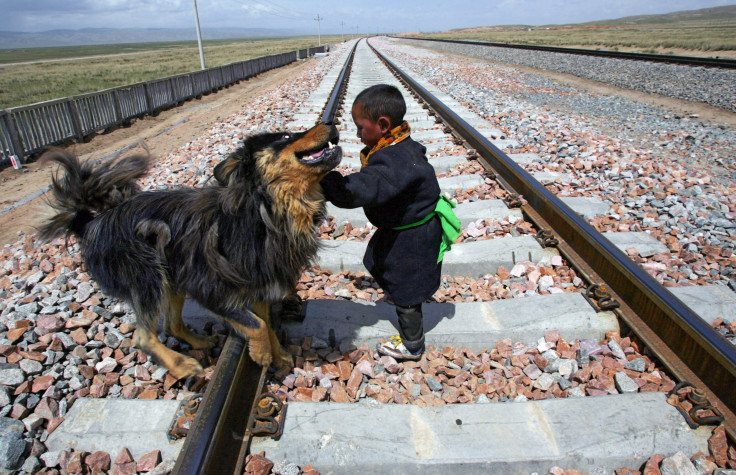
411,327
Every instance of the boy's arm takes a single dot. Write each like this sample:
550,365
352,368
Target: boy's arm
372,186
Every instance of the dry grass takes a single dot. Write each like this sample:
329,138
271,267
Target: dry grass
24,84
698,39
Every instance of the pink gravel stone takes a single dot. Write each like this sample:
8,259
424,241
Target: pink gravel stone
356,377
49,324
42,383
366,368
124,456
98,460
148,462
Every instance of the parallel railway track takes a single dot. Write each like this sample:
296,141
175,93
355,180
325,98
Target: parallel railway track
724,63
233,410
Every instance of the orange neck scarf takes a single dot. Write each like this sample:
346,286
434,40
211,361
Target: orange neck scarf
395,135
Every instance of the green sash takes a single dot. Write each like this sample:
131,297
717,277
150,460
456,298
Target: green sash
450,224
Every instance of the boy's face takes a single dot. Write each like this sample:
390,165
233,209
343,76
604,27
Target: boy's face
370,132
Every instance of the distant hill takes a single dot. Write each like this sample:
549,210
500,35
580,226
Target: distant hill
97,36
715,14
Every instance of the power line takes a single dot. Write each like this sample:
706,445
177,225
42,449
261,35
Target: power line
319,33
199,35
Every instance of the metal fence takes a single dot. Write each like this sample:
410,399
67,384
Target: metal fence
28,130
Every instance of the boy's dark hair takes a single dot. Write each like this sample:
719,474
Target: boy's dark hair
382,99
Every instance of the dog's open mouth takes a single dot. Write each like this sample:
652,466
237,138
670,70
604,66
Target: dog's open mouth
319,155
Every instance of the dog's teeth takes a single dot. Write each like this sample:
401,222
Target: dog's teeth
330,145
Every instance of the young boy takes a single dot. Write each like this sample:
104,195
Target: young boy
399,193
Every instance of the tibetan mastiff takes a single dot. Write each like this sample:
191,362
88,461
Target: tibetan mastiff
234,246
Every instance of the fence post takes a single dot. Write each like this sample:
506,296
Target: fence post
118,109
149,98
16,145
194,88
74,118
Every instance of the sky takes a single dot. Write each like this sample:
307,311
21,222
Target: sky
336,16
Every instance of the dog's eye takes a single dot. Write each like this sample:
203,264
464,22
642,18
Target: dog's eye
286,137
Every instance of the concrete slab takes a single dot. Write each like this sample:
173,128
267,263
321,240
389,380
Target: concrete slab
474,259
417,125
471,259
503,144
111,424
472,211
524,437
445,163
525,157
354,216
417,115
646,244
355,148
547,178
587,206
490,132
339,256
351,161
459,182
434,147
310,116
474,325
440,164
467,212
708,301
429,134
351,148
300,125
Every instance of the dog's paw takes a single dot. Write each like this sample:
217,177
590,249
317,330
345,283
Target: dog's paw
186,367
283,361
203,342
260,352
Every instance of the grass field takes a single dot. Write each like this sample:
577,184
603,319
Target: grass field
63,72
68,71
650,39
704,32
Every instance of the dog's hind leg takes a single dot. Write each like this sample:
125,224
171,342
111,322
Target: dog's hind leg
179,366
249,326
280,358
174,324
146,309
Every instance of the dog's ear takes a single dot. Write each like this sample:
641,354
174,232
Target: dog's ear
224,169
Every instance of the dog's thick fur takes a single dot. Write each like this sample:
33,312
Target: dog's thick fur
239,243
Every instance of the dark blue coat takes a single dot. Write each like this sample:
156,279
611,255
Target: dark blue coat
397,187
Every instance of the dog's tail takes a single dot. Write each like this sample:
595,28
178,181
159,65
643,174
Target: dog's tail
88,189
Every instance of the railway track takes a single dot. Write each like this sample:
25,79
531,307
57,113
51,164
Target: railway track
723,63
611,299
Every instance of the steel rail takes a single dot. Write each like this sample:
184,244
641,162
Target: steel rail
220,436
692,351
215,438
338,91
722,63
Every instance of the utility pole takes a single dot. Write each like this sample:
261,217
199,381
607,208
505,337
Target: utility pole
199,35
342,32
319,33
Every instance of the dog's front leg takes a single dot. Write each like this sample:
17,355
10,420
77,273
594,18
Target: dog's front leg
280,358
248,325
179,366
174,324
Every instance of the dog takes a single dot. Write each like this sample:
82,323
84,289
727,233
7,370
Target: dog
234,246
